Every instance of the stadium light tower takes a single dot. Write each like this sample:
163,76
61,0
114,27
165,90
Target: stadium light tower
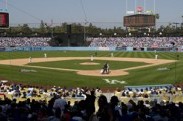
84,31
176,27
175,24
50,26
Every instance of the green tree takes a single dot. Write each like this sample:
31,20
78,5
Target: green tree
26,30
42,28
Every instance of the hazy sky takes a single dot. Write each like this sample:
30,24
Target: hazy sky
32,11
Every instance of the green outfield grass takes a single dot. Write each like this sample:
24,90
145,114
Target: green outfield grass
47,77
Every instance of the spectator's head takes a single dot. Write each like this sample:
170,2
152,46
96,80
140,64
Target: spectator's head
102,101
114,100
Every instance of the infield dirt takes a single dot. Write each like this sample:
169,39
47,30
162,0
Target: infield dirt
119,72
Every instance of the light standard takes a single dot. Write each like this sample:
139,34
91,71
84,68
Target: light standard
50,27
176,26
84,32
84,36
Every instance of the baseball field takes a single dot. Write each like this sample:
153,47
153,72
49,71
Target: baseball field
77,69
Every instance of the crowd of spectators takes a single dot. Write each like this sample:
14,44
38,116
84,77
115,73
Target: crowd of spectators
31,103
24,41
160,94
137,42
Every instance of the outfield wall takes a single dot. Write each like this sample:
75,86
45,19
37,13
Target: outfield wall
48,48
58,48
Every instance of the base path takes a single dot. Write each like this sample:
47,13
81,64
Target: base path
119,72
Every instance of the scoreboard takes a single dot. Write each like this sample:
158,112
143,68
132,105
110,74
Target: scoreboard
4,20
139,20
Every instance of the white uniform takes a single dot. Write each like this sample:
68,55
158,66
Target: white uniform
45,55
30,59
91,58
156,57
112,55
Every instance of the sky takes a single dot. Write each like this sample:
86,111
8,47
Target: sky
59,11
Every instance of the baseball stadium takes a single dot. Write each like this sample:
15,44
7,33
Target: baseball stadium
75,68
127,71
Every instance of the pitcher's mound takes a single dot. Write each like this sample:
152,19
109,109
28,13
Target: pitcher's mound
97,73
